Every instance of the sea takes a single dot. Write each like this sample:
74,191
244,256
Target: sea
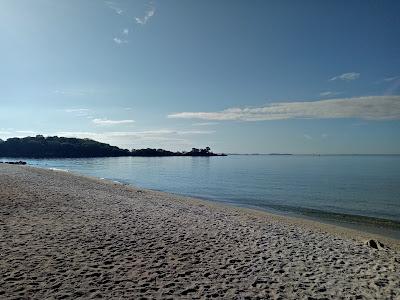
355,191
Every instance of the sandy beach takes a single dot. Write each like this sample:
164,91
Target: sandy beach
64,236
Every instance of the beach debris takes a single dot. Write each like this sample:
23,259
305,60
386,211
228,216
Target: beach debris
375,244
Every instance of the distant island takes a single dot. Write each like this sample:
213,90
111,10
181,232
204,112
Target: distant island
63,147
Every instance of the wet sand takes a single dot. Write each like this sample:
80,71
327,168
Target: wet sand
64,236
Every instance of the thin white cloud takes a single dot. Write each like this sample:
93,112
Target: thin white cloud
107,122
160,132
307,136
324,135
369,108
205,124
120,41
346,76
73,93
389,79
148,15
28,132
184,132
329,94
76,110
164,138
125,31
325,94
79,112
113,6
17,133
146,134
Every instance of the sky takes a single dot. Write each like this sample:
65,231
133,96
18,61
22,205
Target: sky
238,76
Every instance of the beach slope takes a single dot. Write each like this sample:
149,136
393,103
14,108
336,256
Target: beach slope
66,236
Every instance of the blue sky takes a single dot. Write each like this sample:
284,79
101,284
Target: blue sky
238,76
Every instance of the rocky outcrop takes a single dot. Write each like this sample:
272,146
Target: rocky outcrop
13,162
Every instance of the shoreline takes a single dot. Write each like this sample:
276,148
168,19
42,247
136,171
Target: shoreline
375,219
362,228
295,219
355,229
314,224
70,235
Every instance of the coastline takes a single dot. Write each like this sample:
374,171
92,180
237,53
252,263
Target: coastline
344,200
295,220
376,228
70,222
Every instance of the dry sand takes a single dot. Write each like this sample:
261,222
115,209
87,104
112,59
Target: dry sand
65,236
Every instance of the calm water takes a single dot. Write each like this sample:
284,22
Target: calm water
355,191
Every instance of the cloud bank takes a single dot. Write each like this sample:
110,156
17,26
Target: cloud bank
368,108
146,134
160,138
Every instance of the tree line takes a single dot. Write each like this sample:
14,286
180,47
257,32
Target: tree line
62,147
